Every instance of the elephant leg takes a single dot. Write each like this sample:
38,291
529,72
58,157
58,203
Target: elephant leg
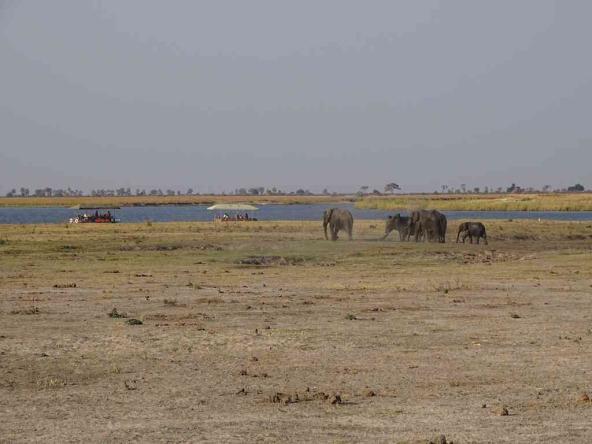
478,237
334,233
349,233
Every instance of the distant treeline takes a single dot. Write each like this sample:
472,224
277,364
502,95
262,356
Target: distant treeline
364,190
126,192
463,189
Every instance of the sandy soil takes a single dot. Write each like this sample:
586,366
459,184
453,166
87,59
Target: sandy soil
266,332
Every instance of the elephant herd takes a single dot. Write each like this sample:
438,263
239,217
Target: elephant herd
423,225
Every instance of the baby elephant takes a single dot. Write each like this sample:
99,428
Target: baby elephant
471,230
399,223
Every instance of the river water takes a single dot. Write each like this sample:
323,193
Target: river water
174,213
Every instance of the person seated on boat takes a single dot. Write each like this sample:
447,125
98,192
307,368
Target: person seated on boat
246,216
225,216
108,215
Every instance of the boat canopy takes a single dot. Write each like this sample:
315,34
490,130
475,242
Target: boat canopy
232,207
90,207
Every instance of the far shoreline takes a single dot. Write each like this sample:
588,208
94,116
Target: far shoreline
505,202
157,201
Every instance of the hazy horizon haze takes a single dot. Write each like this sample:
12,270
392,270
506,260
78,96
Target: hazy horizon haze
217,95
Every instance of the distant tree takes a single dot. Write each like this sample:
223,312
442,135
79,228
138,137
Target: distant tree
391,187
364,189
375,192
11,193
444,188
463,187
577,188
486,190
254,191
546,188
24,192
512,188
325,191
476,190
300,192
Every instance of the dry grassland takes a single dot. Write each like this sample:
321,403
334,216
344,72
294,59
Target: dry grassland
482,202
265,332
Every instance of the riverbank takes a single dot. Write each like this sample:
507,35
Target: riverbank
267,332
144,201
267,212
481,202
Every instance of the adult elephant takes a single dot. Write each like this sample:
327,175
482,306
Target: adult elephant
338,219
429,225
471,230
399,223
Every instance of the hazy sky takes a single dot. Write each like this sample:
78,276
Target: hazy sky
321,93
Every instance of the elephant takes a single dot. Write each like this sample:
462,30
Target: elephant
471,230
429,225
399,223
338,219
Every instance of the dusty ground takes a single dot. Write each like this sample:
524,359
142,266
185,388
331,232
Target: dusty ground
416,339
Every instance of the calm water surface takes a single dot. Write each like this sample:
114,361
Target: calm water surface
173,213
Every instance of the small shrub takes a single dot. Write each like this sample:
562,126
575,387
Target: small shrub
26,311
115,314
71,285
50,382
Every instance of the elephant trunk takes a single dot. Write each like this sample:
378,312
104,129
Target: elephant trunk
325,229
